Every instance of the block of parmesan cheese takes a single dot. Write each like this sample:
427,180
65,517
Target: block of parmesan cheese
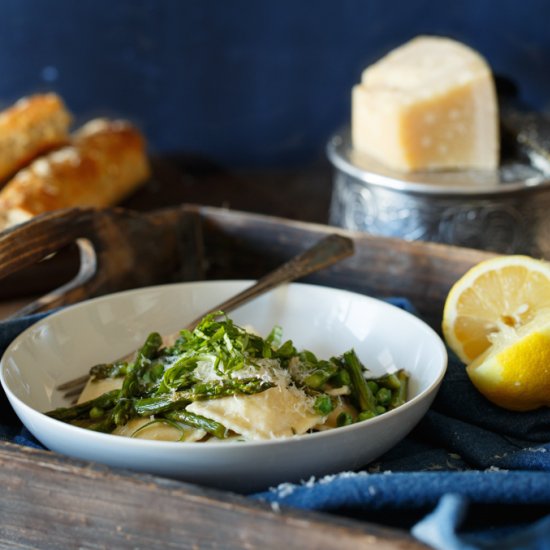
428,105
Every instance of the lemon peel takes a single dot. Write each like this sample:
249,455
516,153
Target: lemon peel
515,374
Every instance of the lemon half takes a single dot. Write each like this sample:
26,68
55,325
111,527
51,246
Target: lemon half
497,320
514,372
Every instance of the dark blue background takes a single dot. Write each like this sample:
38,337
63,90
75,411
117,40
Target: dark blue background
246,82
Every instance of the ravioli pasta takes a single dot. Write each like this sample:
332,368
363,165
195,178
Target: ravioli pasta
224,382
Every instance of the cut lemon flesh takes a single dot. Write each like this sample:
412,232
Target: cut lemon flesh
499,294
514,372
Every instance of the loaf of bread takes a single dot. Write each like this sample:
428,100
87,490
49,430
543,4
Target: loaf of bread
30,127
105,161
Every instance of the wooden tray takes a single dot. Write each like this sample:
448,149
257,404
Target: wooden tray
50,501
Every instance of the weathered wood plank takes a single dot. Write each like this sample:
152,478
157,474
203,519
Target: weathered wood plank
119,249
122,249
49,501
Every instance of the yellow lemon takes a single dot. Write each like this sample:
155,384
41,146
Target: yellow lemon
495,295
497,320
514,372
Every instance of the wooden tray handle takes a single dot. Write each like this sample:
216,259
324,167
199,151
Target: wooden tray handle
119,249
26,244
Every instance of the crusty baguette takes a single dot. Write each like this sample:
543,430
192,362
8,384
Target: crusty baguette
30,127
105,162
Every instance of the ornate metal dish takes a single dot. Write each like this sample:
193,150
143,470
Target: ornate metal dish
507,211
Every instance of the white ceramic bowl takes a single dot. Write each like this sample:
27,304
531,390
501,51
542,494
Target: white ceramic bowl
325,320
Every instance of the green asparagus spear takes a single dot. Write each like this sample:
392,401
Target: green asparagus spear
130,387
340,378
197,421
104,402
177,400
361,391
400,394
108,370
321,375
105,424
390,381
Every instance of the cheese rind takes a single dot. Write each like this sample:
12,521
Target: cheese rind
430,104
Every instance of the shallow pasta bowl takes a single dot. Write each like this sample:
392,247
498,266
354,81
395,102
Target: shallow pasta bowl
324,320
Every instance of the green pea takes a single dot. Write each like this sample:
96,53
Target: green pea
383,396
323,404
373,386
344,419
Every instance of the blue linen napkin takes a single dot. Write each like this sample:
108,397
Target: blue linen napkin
470,475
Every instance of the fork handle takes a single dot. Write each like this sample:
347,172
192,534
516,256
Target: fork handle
324,253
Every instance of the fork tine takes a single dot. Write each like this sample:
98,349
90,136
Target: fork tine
74,385
75,392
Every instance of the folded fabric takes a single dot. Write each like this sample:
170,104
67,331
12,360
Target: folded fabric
470,475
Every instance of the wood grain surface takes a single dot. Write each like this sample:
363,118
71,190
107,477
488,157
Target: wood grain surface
52,502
